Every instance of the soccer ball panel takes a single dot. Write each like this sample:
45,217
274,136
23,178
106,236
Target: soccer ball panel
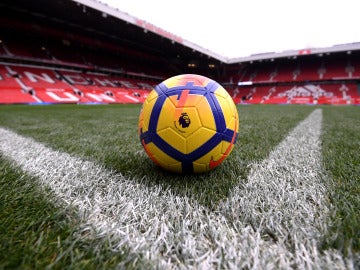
221,92
146,111
151,96
185,99
226,147
200,167
162,159
184,79
166,116
173,138
229,111
233,124
198,138
207,160
186,121
206,114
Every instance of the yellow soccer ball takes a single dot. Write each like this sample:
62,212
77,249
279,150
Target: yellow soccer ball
188,124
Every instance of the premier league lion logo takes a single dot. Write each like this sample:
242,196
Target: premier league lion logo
184,120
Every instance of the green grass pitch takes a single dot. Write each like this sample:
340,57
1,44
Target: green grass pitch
37,230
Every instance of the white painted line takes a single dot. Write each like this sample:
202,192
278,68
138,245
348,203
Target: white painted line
265,225
284,197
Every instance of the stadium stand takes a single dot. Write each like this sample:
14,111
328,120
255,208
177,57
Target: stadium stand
31,84
11,89
344,94
318,79
82,56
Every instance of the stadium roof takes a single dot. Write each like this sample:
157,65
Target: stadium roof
127,30
148,27
106,9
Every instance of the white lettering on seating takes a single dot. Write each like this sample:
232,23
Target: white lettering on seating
100,97
105,82
36,77
132,98
127,84
306,91
69,97
76,79
344,89
145,85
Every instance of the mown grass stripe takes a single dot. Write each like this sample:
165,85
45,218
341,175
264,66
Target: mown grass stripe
176,232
